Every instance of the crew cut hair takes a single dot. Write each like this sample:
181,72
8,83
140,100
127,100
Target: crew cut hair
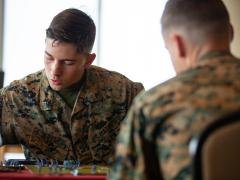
205,16
73,26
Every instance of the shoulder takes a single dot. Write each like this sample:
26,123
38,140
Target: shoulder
209,79
103,73
29,83
111,78
163,99
158,92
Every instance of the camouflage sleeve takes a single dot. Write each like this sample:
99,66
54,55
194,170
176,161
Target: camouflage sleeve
135,89
128,162
6,121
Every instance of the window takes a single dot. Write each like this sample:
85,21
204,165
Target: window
131,41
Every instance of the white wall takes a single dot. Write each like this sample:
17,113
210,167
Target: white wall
1,32
131,40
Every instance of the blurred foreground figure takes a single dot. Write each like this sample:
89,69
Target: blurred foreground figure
154,138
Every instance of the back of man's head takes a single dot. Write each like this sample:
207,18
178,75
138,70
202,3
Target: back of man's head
198,19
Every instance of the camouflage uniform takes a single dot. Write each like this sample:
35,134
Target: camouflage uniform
168,115
34,115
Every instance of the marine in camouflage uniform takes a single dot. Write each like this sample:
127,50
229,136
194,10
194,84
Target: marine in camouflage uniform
71,110
171,113
154,139
34,115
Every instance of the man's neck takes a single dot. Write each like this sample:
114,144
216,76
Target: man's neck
199,52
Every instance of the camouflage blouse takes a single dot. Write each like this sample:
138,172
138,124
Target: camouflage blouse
34,115
167,116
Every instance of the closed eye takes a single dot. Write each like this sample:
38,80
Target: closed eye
69,62
47,56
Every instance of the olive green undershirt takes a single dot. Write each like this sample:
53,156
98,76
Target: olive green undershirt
69,94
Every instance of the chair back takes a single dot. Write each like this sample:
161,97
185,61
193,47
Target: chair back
216,152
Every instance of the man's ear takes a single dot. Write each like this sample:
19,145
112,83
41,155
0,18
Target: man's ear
231,33
180,46
90,59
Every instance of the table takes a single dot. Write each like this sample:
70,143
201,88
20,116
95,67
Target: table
26,175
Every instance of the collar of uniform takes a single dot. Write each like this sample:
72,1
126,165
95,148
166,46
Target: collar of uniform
89,91
214,54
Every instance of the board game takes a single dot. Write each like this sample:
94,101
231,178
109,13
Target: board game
43,167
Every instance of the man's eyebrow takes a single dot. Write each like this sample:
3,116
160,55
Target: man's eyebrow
48,53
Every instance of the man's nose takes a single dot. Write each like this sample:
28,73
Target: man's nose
56,68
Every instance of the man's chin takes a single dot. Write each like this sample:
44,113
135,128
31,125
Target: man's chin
56,88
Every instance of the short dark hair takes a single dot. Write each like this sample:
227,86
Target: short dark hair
206,16
73,26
